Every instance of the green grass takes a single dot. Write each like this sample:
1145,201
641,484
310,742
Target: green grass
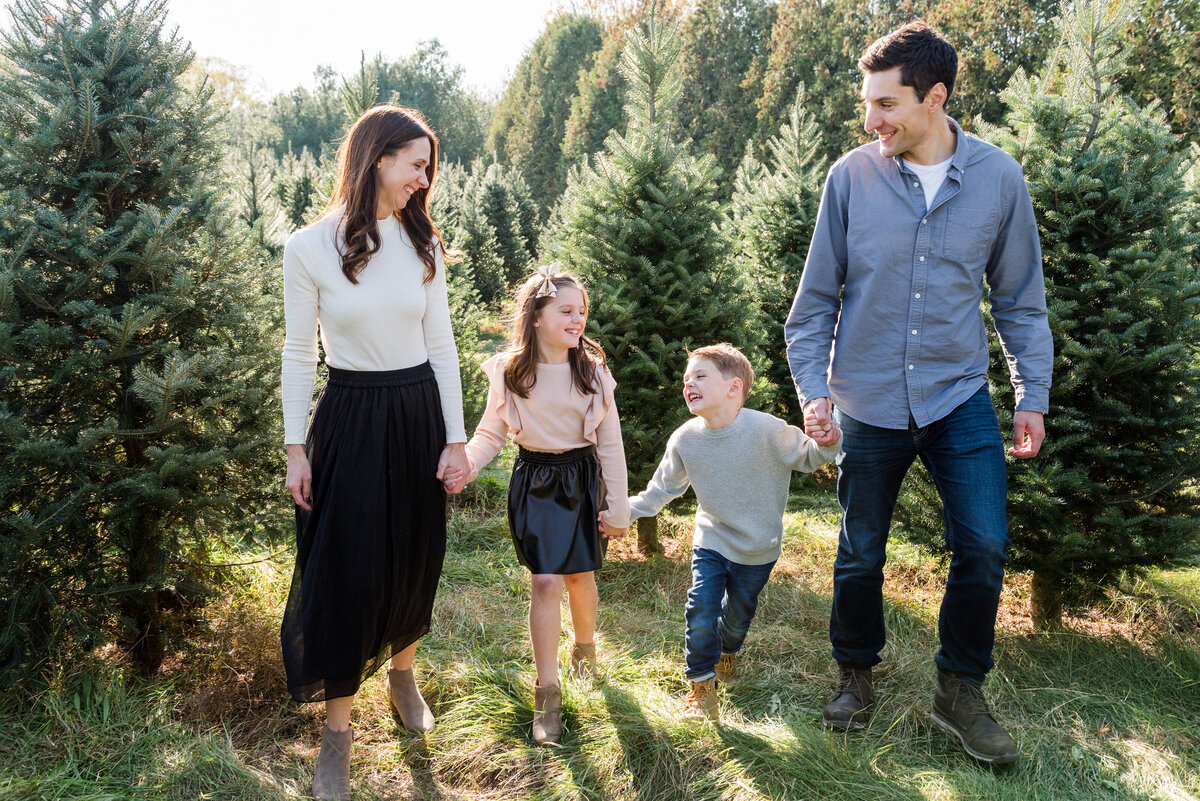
1109,709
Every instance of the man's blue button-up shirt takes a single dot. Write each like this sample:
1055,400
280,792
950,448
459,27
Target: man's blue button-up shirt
888,320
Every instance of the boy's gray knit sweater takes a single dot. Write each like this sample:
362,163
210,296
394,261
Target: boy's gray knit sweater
741,475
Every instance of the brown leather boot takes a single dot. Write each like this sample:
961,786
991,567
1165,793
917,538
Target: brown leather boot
583,662
850,708
407,702
547,714
331,778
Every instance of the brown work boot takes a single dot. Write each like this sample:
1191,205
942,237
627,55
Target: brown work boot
726,669
960,708
407,702
583,662
850,708
701,702
331,777
547,714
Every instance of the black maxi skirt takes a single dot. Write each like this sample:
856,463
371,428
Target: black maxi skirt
369,554
553,501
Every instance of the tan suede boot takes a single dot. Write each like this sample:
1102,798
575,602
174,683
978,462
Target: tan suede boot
583,662
726,669
701,703
331,777
407,702
547,714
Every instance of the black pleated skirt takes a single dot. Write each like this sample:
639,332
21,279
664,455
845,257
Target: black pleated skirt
553,501
369,554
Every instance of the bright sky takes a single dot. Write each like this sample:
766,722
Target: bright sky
280,44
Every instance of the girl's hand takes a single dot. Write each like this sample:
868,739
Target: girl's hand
607,529
299,477
453,468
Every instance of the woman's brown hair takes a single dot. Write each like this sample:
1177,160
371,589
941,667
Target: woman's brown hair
382,131
520,372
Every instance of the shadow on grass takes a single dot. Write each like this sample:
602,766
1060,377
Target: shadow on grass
649,756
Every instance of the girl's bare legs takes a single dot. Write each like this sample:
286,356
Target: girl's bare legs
545,623
584,599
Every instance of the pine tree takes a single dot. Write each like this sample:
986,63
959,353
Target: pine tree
1112,492
640,226
137,429
772,214
253,172
505,201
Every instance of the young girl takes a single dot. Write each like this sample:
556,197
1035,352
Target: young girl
552,391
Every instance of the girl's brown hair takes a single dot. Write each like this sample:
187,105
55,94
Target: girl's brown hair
520,372
382,131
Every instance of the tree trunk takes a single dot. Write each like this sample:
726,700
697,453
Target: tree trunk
1045,602
143,559
648,536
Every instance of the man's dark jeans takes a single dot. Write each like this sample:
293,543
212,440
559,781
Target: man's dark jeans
964,453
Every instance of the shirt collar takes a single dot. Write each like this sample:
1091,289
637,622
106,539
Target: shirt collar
958,162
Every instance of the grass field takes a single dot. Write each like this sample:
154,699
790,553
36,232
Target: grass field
1109,709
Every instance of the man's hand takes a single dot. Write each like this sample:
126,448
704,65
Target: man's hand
1029,430
818,422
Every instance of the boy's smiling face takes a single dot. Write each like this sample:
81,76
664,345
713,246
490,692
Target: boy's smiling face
709,394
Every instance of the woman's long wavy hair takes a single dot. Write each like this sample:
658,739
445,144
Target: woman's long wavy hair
520,373
381,131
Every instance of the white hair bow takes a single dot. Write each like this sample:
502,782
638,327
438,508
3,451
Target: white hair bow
547,271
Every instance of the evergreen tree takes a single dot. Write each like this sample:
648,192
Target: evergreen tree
253,172
529,124
138,388
640,226
772,214
506,203
1112,491
724,49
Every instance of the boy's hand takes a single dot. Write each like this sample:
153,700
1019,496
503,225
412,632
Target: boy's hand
607,529
818,422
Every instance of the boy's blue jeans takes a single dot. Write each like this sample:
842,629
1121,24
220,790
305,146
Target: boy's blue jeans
964,453
720,606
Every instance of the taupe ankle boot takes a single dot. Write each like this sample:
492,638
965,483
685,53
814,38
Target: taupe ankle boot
331,778
583,662
547,714
406,700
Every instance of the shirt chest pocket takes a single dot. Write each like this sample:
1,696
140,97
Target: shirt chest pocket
970,233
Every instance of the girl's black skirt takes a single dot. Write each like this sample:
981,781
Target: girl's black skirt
369,554
553,501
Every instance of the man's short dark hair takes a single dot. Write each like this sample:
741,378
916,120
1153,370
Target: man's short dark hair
924,56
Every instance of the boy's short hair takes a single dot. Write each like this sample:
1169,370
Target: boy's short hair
730,361
924,56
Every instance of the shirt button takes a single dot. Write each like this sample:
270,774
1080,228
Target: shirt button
917,295
922,258
924,221
910,367
914,332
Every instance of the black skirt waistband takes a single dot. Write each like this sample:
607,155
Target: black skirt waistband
545,457
380,378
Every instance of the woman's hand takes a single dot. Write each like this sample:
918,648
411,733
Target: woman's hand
454,470
609,530
299,477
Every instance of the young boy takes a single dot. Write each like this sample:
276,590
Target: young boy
740,462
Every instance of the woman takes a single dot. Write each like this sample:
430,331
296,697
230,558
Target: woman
386,436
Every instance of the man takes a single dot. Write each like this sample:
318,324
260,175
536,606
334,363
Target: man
886,341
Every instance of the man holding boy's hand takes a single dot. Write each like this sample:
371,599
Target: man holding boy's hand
887,328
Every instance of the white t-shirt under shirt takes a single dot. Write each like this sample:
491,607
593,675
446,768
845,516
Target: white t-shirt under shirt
932,176
389,320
